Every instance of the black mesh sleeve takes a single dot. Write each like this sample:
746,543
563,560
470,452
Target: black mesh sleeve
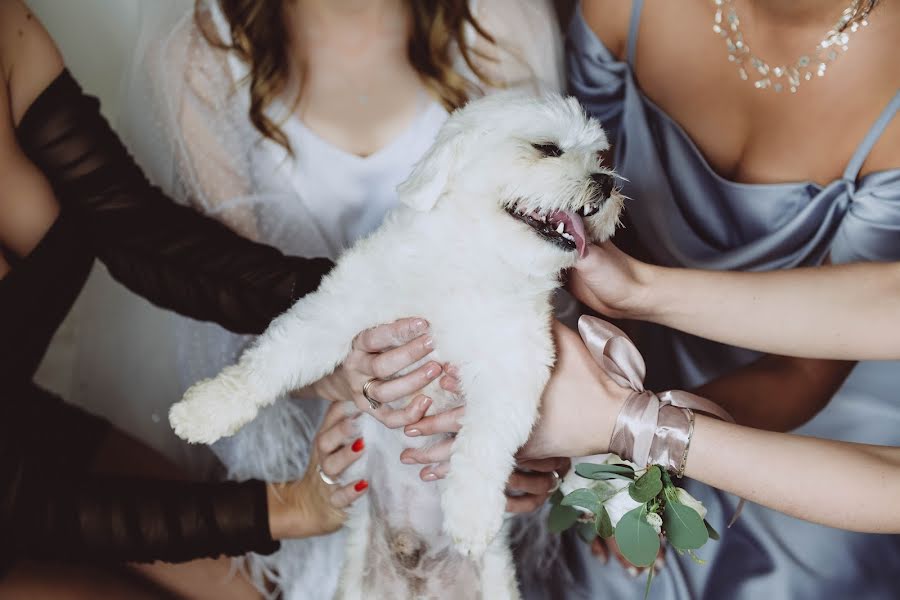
165,252
52,507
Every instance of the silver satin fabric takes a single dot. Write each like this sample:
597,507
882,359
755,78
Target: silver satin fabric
687,215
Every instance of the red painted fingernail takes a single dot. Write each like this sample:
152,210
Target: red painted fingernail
361,485
358,445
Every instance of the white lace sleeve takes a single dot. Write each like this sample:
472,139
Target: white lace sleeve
210,126
189,119
528,53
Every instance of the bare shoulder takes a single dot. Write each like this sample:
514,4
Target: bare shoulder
30,58
609,19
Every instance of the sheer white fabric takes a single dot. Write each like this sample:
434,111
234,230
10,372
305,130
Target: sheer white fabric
185,116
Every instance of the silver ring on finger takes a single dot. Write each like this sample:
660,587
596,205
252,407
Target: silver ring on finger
325,477
375,404
556,483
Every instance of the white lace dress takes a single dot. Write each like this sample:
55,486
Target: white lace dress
185,116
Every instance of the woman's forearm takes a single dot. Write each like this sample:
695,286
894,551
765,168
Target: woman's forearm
777,393
837,312
849,486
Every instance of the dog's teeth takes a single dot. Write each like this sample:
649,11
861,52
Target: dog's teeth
560,228
569,237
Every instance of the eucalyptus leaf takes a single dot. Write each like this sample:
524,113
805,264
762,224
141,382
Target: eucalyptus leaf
685,529
637,540
561,518
587,532
585,498
556,497
608,476
603,523
713,534
591,471
667,481
647,486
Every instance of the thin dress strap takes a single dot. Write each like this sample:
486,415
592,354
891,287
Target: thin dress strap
862,152
636,6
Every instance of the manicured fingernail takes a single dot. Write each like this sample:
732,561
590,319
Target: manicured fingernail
425,402
429,476
433,370
421,325
412,432
429,342
407,460
361,485
358,445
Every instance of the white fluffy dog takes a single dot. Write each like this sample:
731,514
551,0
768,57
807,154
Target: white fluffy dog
509,195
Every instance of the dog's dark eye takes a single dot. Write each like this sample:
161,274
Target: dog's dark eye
548,149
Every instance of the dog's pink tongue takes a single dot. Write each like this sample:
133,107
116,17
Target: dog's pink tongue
574,227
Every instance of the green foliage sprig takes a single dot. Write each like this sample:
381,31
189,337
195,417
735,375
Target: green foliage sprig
662,510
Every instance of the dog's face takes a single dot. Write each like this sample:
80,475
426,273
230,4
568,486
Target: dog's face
526,172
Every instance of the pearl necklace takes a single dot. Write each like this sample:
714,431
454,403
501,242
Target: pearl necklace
727,24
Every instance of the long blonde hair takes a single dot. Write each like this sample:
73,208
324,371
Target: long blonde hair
259,37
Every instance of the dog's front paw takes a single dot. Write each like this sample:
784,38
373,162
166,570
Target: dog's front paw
473,515
212,409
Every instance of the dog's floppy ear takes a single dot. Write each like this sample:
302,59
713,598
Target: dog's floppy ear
431,174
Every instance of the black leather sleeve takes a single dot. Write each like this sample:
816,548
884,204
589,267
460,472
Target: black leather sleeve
163,251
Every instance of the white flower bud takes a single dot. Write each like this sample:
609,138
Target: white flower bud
655,521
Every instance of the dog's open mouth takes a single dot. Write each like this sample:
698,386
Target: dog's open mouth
563,228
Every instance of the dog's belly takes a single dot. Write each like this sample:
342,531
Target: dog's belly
405,553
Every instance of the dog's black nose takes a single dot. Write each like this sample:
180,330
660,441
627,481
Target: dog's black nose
604,183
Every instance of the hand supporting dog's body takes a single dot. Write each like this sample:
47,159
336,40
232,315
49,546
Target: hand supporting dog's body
496,208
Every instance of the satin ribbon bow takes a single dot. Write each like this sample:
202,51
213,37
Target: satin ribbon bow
651,428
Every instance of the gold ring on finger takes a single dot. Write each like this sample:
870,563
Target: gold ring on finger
375,404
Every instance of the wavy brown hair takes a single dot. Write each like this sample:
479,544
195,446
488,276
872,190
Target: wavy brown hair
259,37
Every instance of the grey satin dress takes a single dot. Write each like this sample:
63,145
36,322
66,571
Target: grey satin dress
686,215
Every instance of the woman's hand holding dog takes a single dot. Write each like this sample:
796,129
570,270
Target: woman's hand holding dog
612,283
578,411
378,354
312,506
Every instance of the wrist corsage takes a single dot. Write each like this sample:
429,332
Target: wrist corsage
630,494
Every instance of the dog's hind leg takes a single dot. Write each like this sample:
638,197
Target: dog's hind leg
299,347
503,389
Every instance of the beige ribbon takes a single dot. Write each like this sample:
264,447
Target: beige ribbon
651,429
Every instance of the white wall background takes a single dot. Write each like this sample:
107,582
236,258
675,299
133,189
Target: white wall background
96,37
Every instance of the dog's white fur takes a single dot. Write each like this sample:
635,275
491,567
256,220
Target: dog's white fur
483,280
